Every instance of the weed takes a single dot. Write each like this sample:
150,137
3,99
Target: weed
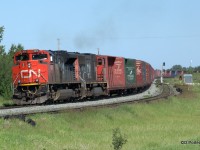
118,140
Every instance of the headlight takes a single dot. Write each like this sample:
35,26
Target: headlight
37,80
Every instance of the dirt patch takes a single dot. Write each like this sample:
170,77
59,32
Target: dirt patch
186,91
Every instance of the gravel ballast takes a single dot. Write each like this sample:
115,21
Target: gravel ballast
151,92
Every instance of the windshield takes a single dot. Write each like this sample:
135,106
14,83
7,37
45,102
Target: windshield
39,56
22,57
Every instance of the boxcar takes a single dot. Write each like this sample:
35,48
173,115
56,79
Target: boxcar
144,73
148,79
111,69
139,75
152,74
167,74
130,73
179,73
157,73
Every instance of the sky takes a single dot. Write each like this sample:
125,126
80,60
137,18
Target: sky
155,31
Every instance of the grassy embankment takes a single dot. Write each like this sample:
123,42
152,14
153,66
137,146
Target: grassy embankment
158,125
4,102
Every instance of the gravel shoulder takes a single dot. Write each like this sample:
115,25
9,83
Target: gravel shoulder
151,92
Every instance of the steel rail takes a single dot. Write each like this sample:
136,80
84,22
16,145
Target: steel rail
165,92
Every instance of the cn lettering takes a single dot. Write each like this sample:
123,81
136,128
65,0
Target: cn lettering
30,73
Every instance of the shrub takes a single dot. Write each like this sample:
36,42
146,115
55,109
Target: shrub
118,140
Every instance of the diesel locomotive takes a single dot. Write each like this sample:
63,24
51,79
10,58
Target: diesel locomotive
41,76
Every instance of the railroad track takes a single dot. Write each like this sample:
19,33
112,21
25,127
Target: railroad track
167,91
164,92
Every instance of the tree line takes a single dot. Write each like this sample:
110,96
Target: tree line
185,69
6,63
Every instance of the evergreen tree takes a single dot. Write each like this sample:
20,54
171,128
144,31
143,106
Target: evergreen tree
2,57
6,63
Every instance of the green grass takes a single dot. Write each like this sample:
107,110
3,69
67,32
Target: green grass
158,125
196,79
4,102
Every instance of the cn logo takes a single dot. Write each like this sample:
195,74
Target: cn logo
29,72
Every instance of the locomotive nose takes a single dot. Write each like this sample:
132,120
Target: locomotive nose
30,76
29,65
29,72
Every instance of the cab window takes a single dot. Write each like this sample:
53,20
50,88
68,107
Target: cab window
22,57
99,61
39,56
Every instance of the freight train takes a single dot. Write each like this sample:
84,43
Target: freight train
168,73
41,76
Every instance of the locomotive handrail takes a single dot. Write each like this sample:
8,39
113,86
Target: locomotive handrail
16,78
84,82
43,78
14,83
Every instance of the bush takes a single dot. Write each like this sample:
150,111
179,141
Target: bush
118,140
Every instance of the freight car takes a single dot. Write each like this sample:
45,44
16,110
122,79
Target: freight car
168,73
157,73
44,75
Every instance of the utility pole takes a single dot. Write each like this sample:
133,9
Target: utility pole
161,77
98,50
58,42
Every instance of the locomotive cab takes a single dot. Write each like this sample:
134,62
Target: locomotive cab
30,75
100,68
